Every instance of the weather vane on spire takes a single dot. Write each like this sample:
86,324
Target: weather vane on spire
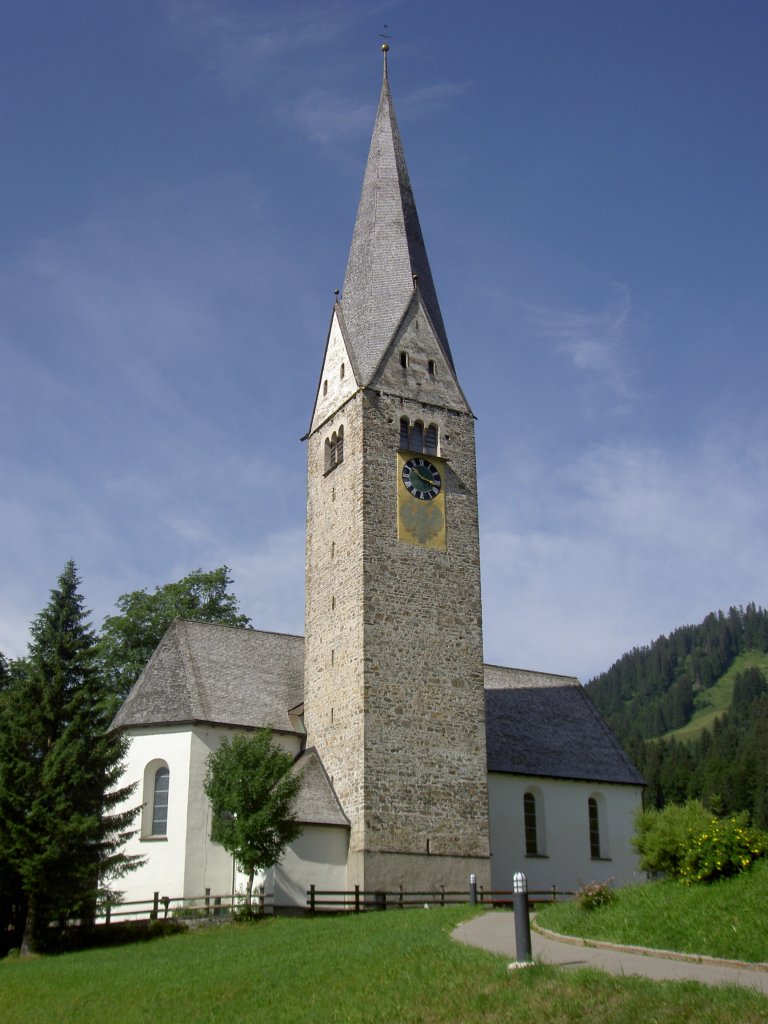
385,47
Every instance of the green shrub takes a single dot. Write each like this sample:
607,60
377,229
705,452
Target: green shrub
662,838
723,849
595,895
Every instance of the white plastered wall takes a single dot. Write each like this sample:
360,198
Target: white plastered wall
563,832
318,857
184,862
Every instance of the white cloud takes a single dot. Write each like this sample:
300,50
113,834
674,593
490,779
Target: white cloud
619,547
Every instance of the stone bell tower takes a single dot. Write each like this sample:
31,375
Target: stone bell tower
394,699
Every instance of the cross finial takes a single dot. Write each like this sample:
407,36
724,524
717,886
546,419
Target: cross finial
385,47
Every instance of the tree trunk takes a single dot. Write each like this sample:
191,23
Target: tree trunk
29,938
249,888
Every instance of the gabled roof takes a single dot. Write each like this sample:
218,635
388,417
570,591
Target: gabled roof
539,724
536,724
317,803
205,672
387,250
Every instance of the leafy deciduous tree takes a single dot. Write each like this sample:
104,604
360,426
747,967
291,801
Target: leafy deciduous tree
252,790
129,639
58,769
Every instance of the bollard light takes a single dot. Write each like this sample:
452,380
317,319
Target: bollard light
473,888
522,923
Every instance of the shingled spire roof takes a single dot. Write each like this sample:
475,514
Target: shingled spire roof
387,251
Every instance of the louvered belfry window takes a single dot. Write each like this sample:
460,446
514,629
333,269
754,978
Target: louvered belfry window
334,449
414,438
405,440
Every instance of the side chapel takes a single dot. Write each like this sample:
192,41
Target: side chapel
421,764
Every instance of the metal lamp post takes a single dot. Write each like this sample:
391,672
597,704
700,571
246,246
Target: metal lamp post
522,923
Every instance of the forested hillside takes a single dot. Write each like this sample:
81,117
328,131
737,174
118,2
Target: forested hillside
654,690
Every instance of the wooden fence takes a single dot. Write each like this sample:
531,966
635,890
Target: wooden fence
207,905
352,900
357,899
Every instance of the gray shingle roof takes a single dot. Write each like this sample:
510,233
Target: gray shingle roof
536,724
205,672
387,250
539,724
317,803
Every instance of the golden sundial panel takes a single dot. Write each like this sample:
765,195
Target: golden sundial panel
421,500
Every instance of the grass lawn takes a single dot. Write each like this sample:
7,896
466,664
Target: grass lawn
398,966
724,919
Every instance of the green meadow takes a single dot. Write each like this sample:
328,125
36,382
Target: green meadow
399,966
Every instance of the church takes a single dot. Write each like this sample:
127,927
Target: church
421,764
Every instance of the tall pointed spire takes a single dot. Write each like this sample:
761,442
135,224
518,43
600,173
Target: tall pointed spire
387,258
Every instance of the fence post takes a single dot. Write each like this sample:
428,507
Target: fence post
155,905
207,901
401,897
357,899
473,888
554,894
442,895
312,898
165,900
261,899
108,913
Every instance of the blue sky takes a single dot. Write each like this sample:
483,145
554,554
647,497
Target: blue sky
179,184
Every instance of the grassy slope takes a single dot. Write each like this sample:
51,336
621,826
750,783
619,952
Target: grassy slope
724,919
717,699
399,966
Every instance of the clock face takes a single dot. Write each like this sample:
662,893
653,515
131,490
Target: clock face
422,479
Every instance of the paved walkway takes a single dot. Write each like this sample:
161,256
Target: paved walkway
496,932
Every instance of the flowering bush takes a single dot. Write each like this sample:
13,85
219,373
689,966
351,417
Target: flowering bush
594,895
663,837
725,848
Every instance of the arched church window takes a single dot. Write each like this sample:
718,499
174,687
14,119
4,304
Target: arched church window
594,828
531,830
404,359
155,793
431,367
430,440
160,801
341,372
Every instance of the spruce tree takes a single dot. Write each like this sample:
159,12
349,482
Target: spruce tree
58,769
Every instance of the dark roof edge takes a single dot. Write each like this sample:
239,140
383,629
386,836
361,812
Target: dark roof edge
597,780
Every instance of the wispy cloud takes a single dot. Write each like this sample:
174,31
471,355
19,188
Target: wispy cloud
594,341
326,116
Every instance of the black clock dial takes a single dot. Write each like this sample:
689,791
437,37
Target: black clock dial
422,479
